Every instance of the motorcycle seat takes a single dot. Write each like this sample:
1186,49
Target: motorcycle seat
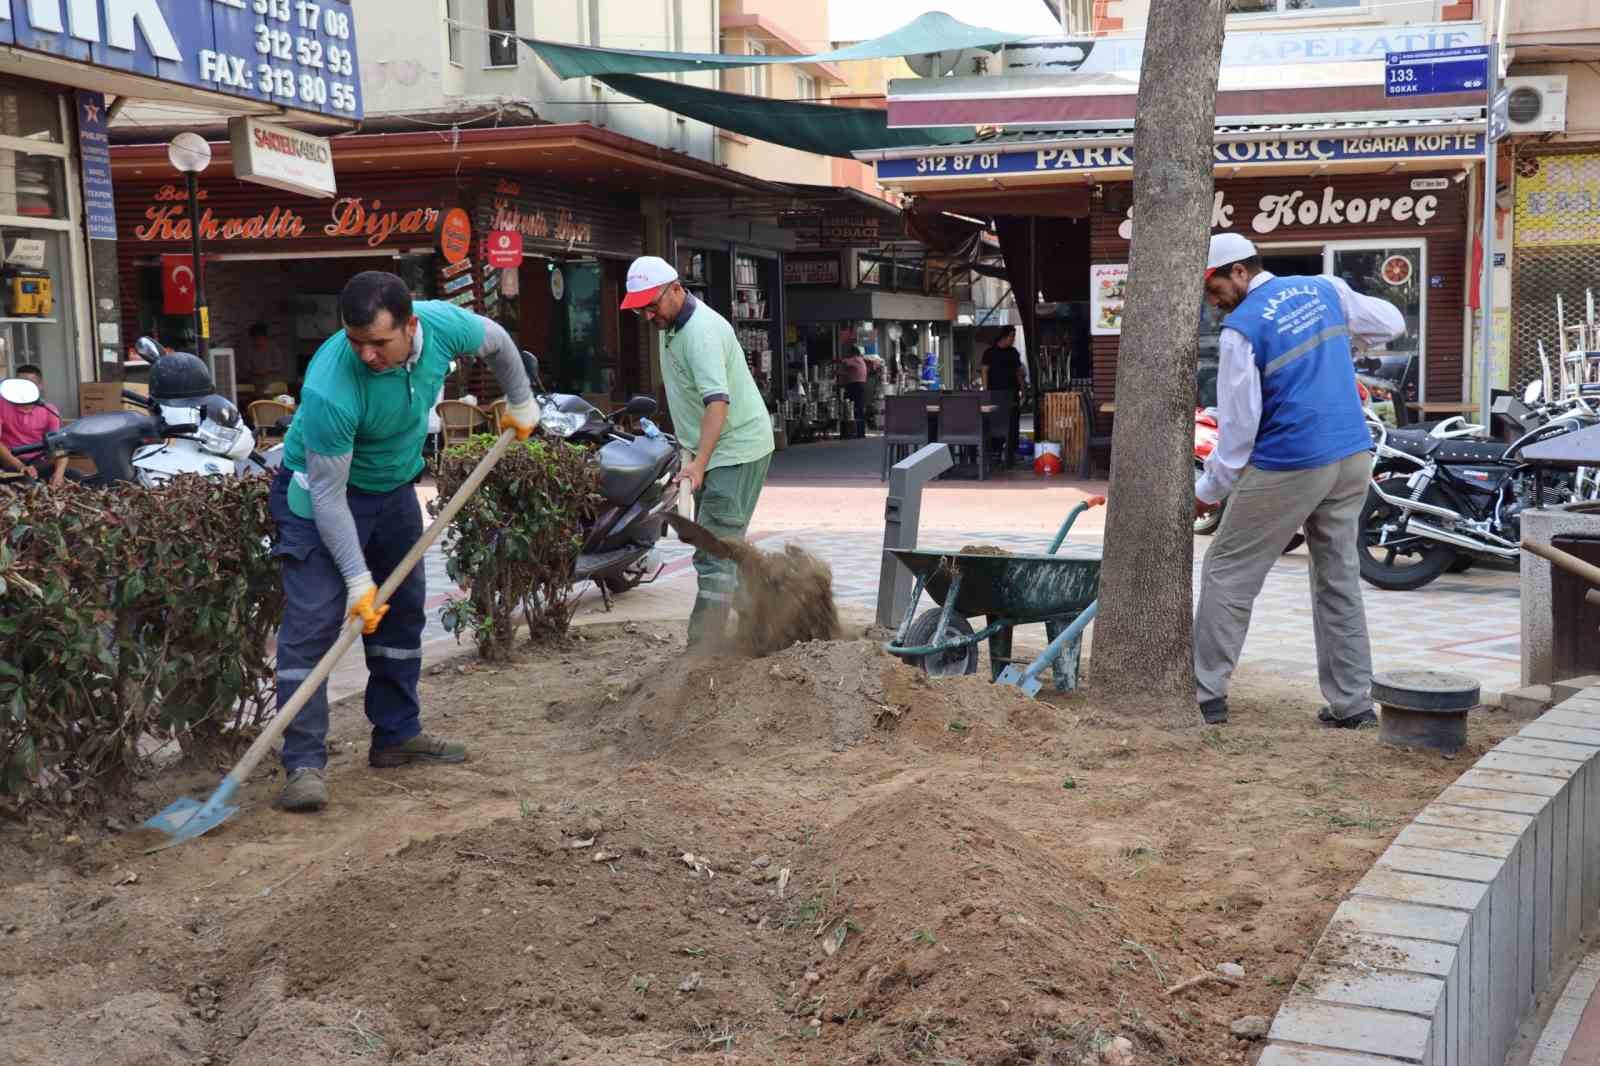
628,467
113,429
1415,442
1470,451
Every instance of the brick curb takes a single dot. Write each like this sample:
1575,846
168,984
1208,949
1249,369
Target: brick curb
1437,956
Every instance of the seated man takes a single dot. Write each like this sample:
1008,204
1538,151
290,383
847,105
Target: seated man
25,422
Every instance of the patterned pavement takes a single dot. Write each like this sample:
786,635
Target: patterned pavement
1465,622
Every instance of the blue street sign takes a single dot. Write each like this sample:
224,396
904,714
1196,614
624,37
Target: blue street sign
296,53
1439,70
94,145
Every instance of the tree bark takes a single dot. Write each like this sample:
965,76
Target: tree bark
1143,641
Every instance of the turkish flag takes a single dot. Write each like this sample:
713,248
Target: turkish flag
177,285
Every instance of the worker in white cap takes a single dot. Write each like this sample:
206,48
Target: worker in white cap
1292,453
718,414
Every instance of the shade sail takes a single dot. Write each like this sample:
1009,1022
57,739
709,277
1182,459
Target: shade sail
932,32
819,128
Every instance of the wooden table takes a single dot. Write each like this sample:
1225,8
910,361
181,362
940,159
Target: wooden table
1108,408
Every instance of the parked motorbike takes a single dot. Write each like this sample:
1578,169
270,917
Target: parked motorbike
189,430
1205,442
638,475
1438,502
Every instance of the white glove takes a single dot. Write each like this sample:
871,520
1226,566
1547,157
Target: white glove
523,417
360,594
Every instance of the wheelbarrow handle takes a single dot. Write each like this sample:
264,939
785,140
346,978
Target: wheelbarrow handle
1066,527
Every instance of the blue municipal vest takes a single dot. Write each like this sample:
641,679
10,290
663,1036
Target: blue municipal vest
1310,412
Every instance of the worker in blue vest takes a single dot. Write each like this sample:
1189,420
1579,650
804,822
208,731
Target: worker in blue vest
1292,454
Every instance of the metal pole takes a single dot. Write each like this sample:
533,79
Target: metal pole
202,314
1486,287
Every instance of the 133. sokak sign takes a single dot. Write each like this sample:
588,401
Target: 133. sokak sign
1277,210
350,216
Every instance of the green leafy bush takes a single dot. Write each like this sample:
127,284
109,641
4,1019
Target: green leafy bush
513,545
129,613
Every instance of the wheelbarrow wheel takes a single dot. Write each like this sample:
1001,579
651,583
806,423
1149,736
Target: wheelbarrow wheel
952,663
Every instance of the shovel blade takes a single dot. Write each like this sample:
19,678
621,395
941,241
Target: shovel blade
1016,677
184,819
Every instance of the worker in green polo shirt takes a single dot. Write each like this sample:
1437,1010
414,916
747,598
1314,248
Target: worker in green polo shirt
718,414
347,513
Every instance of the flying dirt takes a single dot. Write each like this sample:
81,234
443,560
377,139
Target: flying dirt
784,597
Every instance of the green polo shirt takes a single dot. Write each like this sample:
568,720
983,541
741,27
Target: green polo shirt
379,419
703,363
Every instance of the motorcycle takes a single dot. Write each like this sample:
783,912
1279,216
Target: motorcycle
638,479
189,430
1444,502
1205,442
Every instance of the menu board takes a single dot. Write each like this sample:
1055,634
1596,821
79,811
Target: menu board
1108,289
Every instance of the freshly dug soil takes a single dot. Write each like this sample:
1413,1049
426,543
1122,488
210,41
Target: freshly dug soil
814,858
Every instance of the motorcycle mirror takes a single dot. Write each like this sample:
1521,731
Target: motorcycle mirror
641,407
148,349
1533,392
530,363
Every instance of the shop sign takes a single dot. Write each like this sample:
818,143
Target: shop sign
281,158
94,146
1106,55
349,216
1361,148
552,227
1299,207
811,270
850,230
455,236
1558,200
505,249
293,53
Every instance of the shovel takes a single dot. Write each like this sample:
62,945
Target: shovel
186,818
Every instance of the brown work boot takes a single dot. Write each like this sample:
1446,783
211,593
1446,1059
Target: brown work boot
307,790
420,748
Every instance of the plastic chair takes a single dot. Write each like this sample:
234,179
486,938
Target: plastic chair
905,427
458,421
1090,440
264,417
961,426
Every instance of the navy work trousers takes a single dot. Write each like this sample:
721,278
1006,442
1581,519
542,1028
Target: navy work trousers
388,524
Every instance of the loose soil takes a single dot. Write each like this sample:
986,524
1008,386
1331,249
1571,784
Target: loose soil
817,857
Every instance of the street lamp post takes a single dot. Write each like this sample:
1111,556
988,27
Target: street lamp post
190,155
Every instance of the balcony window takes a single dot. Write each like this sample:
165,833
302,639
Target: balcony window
452,30
805,87
502,33
758,75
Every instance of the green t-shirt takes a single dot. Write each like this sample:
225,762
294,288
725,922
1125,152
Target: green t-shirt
703,361
380,420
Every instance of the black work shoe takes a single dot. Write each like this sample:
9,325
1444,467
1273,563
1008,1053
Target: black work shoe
307,790
1325,716
1215,712
1355,721
420,748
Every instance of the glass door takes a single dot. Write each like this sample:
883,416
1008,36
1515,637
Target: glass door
1390,271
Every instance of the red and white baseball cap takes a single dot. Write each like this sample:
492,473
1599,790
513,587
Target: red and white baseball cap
1227,249
647,276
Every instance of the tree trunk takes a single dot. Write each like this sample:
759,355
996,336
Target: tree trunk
1143,641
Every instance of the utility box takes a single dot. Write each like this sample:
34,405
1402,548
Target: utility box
1560,628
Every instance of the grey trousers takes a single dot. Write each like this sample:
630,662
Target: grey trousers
1263,513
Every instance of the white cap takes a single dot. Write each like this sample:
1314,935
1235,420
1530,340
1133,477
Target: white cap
1227,249
647,275
19,391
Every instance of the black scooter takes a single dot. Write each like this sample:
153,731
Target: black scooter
638,480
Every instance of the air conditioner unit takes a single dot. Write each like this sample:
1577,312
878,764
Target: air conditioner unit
1537,104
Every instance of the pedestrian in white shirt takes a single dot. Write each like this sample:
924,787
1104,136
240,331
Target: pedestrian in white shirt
1292,453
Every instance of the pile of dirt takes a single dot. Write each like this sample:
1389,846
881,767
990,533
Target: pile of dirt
818,694
820,858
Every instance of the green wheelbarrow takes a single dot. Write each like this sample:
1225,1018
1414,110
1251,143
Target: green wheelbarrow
1060,590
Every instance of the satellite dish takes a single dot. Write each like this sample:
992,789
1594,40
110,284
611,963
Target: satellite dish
933,64
963,62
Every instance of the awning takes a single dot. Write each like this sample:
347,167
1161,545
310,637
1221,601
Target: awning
819,128
933,32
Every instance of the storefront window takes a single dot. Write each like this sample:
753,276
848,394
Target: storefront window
1268,7
29,114
36,311
1390,273
32,186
